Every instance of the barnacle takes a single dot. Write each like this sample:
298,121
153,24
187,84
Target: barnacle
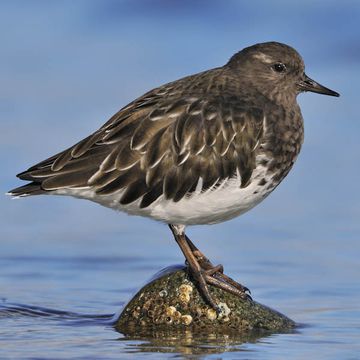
186,319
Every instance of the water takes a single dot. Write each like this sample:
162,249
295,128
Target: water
62,306
67,266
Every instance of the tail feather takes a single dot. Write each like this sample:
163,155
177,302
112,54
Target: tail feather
33,188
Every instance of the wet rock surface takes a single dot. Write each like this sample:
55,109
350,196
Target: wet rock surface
171,302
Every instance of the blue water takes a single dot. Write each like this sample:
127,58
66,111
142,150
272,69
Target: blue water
67,266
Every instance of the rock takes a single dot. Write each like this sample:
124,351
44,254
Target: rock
171,302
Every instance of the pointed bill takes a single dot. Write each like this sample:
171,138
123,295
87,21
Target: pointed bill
308,84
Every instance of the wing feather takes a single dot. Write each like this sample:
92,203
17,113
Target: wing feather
165,143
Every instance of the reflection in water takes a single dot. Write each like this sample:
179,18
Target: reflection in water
184,341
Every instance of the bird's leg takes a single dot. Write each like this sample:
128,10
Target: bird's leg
217,270
203,271
204,262
195,269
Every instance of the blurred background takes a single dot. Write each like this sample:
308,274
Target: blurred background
67,66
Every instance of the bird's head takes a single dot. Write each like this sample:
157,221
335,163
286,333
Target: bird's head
277,70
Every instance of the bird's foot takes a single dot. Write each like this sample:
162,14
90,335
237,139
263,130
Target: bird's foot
214,275
208,274
204,272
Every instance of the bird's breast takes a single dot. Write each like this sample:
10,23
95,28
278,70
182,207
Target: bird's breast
281,143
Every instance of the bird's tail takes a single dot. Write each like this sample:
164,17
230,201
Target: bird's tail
33,188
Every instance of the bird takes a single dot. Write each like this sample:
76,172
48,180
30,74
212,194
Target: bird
199,150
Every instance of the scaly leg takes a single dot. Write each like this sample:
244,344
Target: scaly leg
217,270
203,271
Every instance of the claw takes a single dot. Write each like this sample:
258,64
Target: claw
205,273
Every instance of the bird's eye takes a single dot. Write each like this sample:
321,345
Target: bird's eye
279,67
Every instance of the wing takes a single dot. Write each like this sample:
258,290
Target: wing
159,145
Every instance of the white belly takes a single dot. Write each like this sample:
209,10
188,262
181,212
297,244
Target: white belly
211,206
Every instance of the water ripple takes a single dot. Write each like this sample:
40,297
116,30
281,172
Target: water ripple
23,310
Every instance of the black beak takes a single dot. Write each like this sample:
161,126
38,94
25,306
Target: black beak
308,84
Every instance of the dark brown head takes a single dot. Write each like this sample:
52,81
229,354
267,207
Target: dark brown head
276,70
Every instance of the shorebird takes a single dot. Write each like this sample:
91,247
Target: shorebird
200,150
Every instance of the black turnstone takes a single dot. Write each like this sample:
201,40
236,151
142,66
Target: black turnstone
199,150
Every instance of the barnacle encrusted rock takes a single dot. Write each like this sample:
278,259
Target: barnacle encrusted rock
171,301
